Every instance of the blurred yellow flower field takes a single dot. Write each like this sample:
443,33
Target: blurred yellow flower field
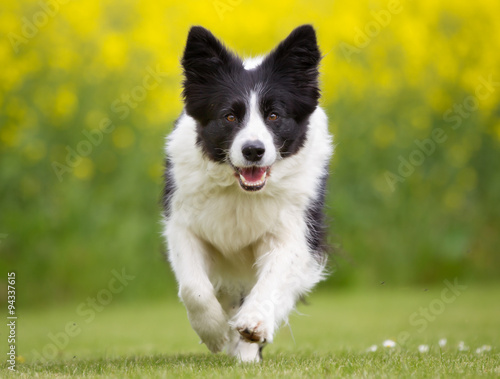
89,89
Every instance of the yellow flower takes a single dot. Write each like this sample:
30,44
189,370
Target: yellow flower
9,134
20,359
65,102
85,169
35,151
114,51
123,137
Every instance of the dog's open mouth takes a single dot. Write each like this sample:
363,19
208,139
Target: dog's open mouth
252,178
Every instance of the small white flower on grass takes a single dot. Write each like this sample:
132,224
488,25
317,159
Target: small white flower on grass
372,349
462,346
389,343
483,348
423,348
442,342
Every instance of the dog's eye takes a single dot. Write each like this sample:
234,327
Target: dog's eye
272,117
231,117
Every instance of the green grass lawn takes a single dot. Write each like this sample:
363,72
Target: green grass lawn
329,338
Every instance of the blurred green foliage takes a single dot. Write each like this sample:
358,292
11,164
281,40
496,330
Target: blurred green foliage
76,202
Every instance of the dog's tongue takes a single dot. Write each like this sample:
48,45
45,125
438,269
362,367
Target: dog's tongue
253,174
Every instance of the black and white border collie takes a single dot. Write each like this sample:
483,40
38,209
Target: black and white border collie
246,169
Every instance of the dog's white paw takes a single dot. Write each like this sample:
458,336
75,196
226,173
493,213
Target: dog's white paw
212,328
215,343
247,352
253,327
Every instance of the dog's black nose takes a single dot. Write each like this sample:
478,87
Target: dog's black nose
253,151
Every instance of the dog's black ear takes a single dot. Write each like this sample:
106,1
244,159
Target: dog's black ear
206,63
204,54
299,50
296,60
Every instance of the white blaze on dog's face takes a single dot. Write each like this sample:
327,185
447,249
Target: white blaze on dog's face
249,115
253,152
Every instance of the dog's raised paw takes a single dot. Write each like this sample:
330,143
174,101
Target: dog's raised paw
253,331
252,335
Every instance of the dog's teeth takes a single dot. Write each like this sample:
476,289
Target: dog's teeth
253,184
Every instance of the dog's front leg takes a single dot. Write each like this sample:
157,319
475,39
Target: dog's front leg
287,271
189,260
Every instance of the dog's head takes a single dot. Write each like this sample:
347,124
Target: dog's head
251,114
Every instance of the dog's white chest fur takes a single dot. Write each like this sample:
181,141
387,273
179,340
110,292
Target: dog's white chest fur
209,200
232,221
